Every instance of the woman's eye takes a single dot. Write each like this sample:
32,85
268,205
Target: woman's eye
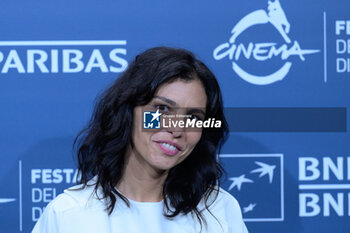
162,108
196,118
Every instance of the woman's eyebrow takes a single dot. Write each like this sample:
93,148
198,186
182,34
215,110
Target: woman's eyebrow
169,101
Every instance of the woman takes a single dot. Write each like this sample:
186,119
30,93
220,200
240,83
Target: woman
135,179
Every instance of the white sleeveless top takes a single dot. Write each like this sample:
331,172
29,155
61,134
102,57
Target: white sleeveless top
82,212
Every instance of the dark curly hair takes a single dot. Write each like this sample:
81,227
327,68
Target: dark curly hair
102,145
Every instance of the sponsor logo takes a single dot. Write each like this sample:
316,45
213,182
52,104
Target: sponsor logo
324,184
265,50
256,180
50,57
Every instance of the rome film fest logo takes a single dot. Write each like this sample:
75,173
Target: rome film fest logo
262,51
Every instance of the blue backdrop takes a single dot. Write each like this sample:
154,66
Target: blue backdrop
284,69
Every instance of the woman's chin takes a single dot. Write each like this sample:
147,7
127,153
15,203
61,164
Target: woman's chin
164,163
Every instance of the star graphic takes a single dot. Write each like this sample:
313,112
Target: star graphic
156,115
6,200
265,169
249,208
238,181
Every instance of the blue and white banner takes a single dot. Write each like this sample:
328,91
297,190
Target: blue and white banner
284,70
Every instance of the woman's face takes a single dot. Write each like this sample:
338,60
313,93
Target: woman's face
165,148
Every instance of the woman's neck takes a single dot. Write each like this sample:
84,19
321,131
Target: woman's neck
141,182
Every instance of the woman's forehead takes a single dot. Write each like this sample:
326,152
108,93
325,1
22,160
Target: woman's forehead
183,93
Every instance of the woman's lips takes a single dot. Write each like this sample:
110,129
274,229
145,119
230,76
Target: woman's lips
168,148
